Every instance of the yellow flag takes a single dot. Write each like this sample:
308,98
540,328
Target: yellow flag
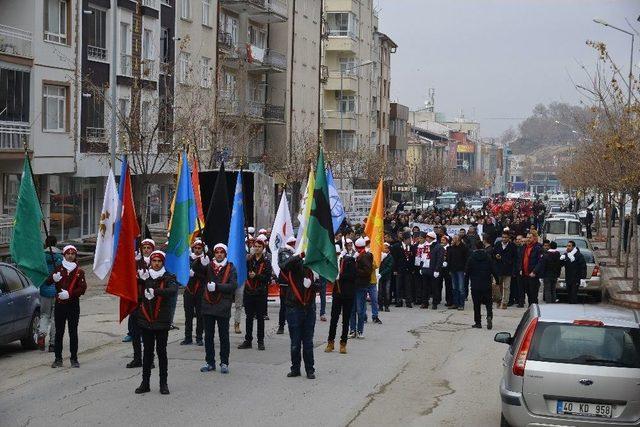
375,225
305,212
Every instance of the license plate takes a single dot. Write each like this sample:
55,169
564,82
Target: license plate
584,409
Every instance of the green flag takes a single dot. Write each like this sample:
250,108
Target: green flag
321,250
26,242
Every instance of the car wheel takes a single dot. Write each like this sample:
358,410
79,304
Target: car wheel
29,341
503,421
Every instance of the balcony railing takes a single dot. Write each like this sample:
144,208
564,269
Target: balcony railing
228,102
12,135
95,134
150,3
275,59
225,40
324,73
149,69
14,41
126,62
274,113
6,230
97,53
277,6
255,109
342,33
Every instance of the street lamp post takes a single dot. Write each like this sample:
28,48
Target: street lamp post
342,71
606,24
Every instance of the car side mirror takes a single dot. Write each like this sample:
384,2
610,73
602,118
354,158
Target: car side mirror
503,337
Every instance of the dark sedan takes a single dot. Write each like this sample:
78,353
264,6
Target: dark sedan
19,307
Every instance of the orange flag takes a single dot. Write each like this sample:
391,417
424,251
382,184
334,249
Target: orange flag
375,225
195,181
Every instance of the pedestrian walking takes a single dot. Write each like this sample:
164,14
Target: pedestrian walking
505,254
343,296
193,293
551,266
70,285
456,259
589,222
575,270
364,270
222,283
155,292
480,268
47,325
531,257
256,289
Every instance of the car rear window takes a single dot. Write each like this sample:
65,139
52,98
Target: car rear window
555,227
580,243
586,345
574,228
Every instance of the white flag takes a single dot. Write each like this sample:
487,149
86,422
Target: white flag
103,258
281,231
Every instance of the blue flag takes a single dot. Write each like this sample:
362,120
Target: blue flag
117,222
237,253
337,210
183,225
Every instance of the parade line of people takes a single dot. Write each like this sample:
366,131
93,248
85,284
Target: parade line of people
416,269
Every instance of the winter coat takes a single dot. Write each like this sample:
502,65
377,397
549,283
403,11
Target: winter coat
457,256
259,285
297,296
480,268
403,260
506,262
346,283
436,258
218,303
364,269
386,267
155,314
197,283
535,255
550,265
73,282
576,269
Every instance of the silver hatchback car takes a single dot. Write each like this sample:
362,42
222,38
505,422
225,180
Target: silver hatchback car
572,365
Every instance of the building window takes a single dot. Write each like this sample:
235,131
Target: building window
165,40
257,37
10,189
148,63
206,12
184,68
347,104
205,72
54,108
125,49
347,141
348,66
95,117
342,24
185,9
97,40
230,26
204,138
55,21
14,95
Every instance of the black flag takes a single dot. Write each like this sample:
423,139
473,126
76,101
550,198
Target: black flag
216,228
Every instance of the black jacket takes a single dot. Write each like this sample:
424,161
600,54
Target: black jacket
155,314
403,260
457,257
198,282
259,285
535,255
345,286
436,258
218,303
480,268
576,269
507,259
550,265
364,269
295,272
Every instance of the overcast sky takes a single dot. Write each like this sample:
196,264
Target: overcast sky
496,59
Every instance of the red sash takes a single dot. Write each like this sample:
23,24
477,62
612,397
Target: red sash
250,283
218,296
156,309
308,293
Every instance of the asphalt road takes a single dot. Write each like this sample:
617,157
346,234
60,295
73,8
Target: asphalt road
421,367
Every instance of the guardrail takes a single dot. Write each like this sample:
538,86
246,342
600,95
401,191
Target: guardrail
12,134
275,59
6,230
15,41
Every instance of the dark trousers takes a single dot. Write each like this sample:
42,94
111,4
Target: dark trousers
517,290
131,321
448,288
423,291
572,290
67,314
589,236
192,304
136,336
481,297
339,305
151,338
404,287
415,286
384,291
549,290
531,287
393,288
209,337
282,315
302,322
254,309
436,290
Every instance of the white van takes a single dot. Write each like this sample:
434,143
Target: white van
561,227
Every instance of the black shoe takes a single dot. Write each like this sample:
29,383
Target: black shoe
511,304
377,320
153,365
52,349
280,330
434,307
245,344
266,317
477,326
144,388
57,363
199,343
173,327
74,363
489,323
386,309
409,305
452,307
261,346
164,389
134,364
293,374
186,342
399,305
520,305
311,375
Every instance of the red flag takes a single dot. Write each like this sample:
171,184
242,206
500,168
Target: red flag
195,181
123,281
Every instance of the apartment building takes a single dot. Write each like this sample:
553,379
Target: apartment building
383,48
247,100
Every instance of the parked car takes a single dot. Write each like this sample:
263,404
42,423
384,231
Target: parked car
19,307
580,241
570,215
592,285
572,365
555,228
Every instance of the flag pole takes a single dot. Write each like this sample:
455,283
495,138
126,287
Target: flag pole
44,222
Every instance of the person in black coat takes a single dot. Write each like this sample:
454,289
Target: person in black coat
432,268
480,269
505,254
155,293
575,269
344,291
530,269
456,258
404,256
589,222
550,266
193,293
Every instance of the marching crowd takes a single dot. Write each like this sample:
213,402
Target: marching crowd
417,268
